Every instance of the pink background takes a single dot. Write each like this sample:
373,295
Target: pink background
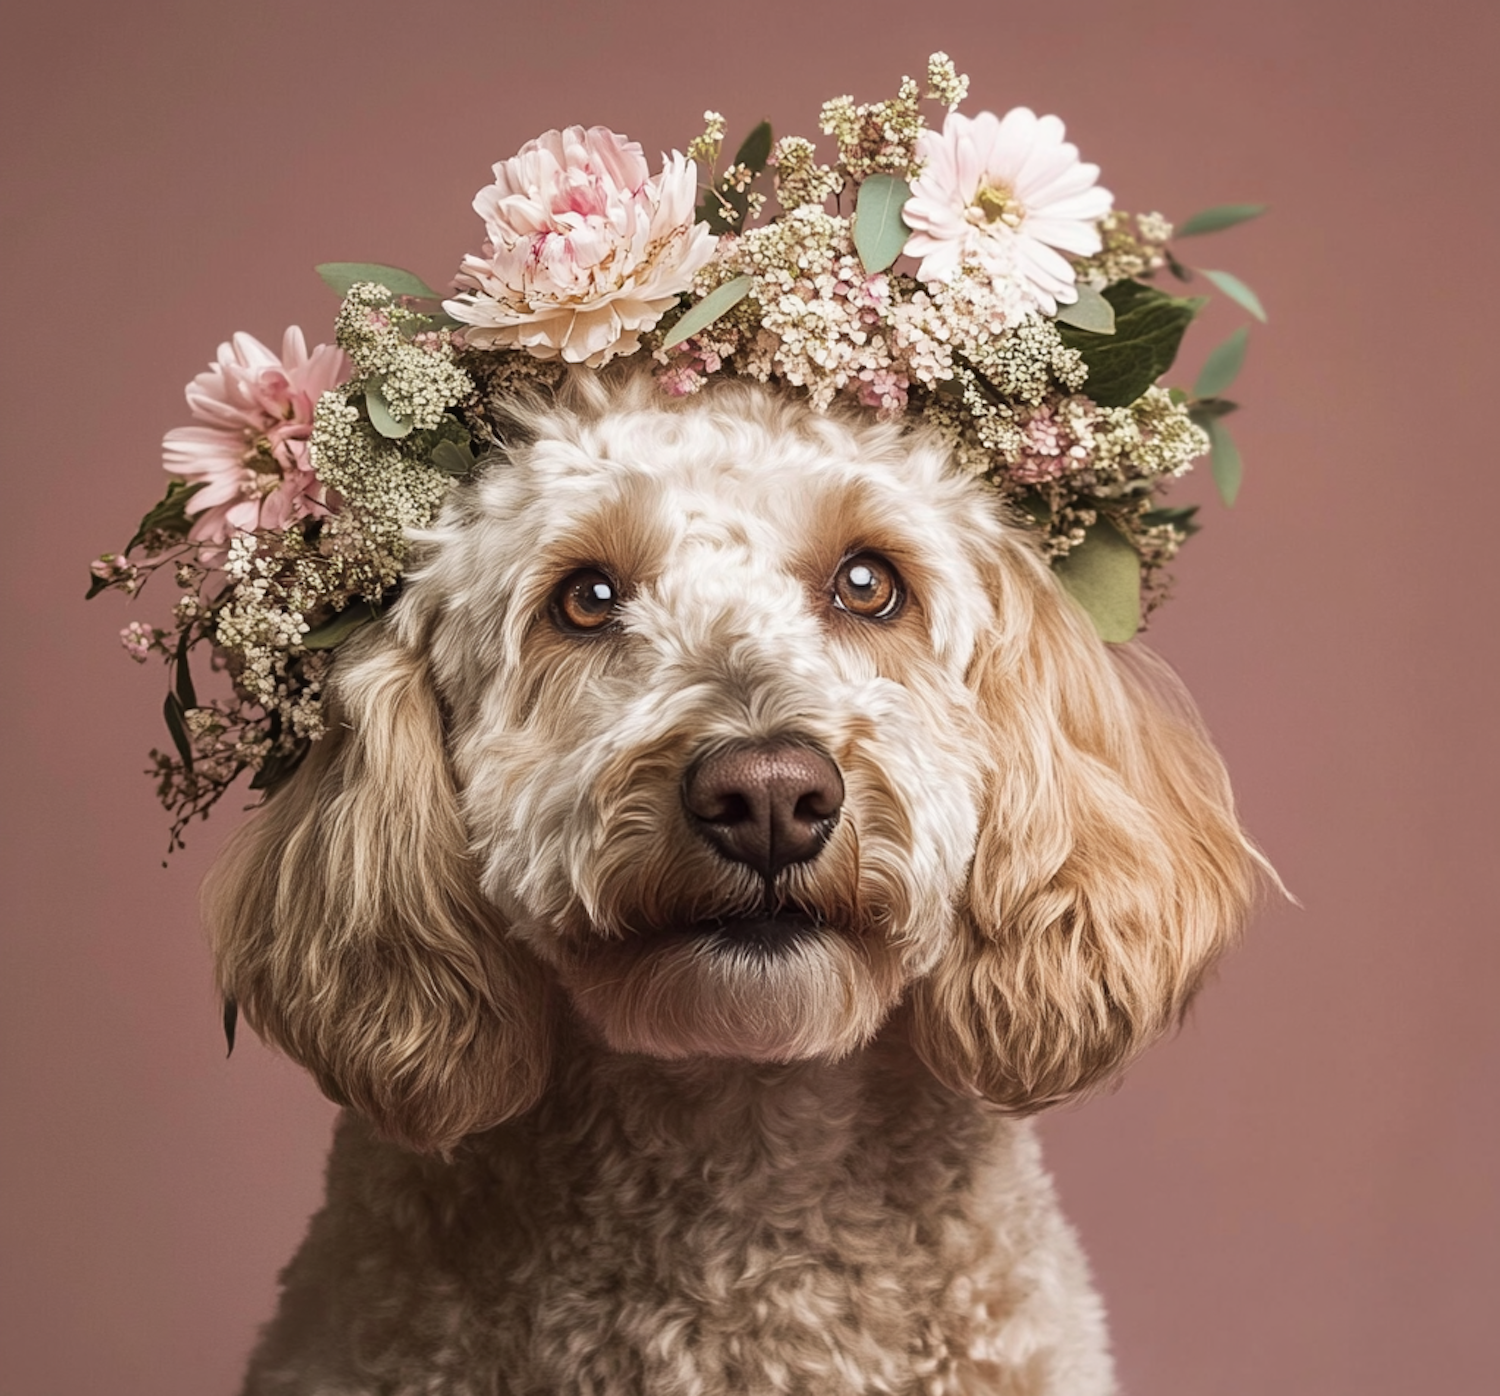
1297,1194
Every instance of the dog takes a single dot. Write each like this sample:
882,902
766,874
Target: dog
730,837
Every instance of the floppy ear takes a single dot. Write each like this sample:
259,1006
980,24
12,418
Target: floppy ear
348,926
1110,869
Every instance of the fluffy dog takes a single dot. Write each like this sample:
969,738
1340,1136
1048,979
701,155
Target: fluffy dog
729,836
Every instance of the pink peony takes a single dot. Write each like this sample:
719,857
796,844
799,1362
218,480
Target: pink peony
586,251
1003,194
250,454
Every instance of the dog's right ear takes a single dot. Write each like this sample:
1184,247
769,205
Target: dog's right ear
348,925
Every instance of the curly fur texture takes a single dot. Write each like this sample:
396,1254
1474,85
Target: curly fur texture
596,1146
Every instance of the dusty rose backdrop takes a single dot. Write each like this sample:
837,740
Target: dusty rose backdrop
1299,1193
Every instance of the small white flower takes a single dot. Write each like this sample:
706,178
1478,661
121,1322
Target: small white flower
1007,195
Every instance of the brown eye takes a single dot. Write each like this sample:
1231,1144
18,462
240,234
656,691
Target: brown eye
866,585
587,600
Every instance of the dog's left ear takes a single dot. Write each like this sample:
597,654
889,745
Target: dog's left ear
1110,870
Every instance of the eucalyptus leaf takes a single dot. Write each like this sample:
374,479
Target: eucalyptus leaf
453,459
715,304
333,633
177,726
1221,216
1103,574
1224,457
96,585
231,1020
386,422
879,233
1089,312
1237,291
342,277
1149,325
1223,365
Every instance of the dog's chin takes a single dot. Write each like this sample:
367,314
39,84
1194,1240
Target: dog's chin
766,989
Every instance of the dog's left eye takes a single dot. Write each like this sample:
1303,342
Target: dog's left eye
587,600
866,585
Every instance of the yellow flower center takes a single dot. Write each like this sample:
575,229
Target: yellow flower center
996,203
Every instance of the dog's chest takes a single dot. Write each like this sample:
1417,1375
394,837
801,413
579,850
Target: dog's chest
667,1239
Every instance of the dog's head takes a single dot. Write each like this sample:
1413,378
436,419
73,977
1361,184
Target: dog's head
739,726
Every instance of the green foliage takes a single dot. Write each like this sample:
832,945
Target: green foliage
1149,326
333,633
715,304
1103,574
724,207
453,458
1224,458
386,422
1238,292
167,521
1222,366
340,277
172,710
1221,216
1089,312
879,233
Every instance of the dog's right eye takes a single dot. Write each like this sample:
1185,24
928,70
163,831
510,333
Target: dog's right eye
587,600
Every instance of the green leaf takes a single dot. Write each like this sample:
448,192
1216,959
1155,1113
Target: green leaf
169,517
341,277
1224,457
1103,574
277,767
1149,326
386,422
1204,410
716,303
1222,366
333,633
96,585
1238,292
879,233
173,712
1181,272
722,206
186,694
453,459
1181,517
231,1019
1221,216
1089,312
755,149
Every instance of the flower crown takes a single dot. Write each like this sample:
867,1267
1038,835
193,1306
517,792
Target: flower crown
975,276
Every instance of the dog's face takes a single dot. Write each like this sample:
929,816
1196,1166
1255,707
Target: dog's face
705,676
735,724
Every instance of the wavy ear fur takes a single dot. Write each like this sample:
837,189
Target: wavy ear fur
1110,870
347,924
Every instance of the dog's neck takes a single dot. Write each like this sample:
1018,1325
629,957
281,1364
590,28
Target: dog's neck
877,1111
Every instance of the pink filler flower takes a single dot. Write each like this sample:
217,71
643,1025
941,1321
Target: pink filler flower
250,455
1002,194
586,251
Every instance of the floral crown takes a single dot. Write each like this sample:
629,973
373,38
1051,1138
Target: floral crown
975,276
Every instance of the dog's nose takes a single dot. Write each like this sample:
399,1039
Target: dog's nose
765,804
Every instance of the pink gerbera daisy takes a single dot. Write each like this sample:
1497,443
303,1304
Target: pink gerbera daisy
250,453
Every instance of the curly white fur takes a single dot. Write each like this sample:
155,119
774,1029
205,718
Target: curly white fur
595,1147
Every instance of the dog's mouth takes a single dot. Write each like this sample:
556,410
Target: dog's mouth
764,935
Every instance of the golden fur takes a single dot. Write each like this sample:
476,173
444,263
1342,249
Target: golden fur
480,896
